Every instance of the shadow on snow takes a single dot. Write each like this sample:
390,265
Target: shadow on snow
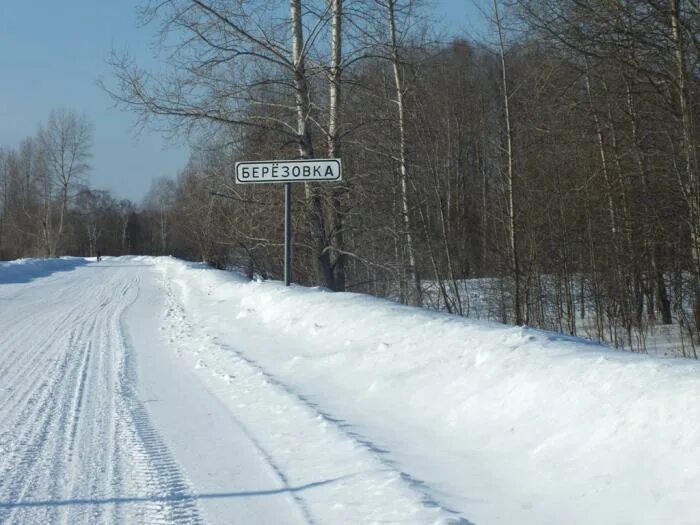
26,271
160,498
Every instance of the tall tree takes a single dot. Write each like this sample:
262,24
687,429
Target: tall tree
510,175
66,142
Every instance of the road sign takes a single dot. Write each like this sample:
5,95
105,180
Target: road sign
288,171
270,171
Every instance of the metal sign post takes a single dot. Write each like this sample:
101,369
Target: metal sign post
287,233
288,171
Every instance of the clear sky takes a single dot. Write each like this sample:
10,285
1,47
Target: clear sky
52,53
463,18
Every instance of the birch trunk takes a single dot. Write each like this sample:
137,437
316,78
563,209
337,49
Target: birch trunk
691,188
334,78
411,270
61,219
303,107
515,256
662,302
46,221
603,157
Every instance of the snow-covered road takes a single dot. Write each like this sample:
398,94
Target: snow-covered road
104,418
76,444
149,390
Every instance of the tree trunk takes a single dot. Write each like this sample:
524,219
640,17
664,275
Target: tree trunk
662,301
338,212
61,218
411,269
515,256
692,191
306,151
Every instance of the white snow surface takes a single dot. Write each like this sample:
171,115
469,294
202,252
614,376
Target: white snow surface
150,390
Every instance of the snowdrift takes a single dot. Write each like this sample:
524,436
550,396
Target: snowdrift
26,270
506,425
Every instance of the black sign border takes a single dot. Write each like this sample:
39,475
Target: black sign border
294,161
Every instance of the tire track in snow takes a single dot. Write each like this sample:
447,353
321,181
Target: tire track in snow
52,458
59,452
22,407
39,447
80,448
182,334
153,455
252,385
347,429
24,358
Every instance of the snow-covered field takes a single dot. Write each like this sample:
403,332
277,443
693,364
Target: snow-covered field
149,390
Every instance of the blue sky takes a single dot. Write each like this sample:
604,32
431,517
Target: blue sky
52,53
462,17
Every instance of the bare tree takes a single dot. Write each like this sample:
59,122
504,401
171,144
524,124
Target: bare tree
160,202
66,143
510,175
334,140
231,66
126,210
397,66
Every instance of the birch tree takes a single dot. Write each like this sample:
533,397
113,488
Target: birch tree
334,140
510,174
66,143
233,65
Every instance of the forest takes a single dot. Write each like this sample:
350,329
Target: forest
546,174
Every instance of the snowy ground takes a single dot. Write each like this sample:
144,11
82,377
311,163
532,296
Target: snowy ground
487,298
144,390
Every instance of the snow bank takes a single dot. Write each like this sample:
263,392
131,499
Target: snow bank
503,424
26,270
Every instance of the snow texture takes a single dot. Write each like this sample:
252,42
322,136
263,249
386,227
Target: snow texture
152,390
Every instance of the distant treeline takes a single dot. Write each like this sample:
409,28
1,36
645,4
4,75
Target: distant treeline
564,153
47,207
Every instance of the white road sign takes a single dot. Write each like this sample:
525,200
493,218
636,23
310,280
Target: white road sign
311,170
